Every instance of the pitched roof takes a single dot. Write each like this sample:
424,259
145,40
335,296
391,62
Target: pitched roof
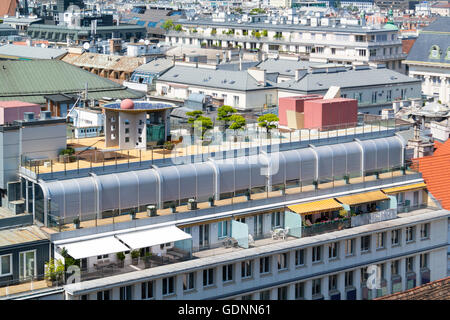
435,171
346,79
436,290
8,7
17,51
30,81
234,80
285,66
104,61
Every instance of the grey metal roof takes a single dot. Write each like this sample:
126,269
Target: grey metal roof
14,236
347,79
285,66
436,34
234,80
31,52
156,66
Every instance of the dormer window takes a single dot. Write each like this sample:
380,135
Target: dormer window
435,52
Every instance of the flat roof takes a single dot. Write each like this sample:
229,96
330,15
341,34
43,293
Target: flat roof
12,50
14,236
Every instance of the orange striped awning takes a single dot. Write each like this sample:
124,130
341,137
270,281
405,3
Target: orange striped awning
316,207
362,198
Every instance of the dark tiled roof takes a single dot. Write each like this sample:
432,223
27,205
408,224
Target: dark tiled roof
436,290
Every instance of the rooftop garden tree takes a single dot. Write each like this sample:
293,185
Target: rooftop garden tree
264,33
224,114
238,123
268,121
178,27
168,25
203,124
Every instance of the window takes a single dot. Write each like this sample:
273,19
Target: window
349,279
319,49
332,282
395,237
395,267
389,95
264,295
365,244
316,254
236,101
126,122
246,269
247,297
372,52
276,219
227,273
316,287
127,130
362,52
349,247
374,96
103,295
168,286
282,293
300,257
27,264
147,290
333,50
223,229
282,261
6,265
125,293
300,290
333,250
127,139
424,260
425,231
380,240
409,264
410,234
208,277
189,281
264,265
85,297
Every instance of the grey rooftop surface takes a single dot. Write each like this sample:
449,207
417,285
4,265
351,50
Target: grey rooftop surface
156,66
347,79
31,52
244,254
285,66
234,80
16,236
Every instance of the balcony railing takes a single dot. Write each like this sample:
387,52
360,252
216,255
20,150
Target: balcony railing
372,217
323,227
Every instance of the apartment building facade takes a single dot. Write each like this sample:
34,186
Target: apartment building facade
326,42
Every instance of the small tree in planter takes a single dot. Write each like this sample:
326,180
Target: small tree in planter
316,184
135,257
173,207
54,272
211,201
248,194
283,190
238,123
132,214
76,223
151,211
121,258
224,114
268,121
377,175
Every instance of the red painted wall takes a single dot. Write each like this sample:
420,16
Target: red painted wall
330,114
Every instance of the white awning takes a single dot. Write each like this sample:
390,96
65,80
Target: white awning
94,247
153,237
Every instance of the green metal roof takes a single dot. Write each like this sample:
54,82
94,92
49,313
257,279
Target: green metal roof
30,80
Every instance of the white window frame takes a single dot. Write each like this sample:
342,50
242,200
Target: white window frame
35,263
300,257
209,277
399,234
352,247
228,274
283,261
247,269
316,254
167,286
187,282
410,231
425,227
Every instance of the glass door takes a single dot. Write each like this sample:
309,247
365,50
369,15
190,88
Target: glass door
203,234
27,265
258,225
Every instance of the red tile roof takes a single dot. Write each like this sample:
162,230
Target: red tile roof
435,171
8,7
407,45
436,290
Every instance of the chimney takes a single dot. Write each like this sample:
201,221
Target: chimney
240,61
300,73
258,74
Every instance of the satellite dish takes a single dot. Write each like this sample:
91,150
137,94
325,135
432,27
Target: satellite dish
86,46
147,42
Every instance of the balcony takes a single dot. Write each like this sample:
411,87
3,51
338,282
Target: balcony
324,227
372,217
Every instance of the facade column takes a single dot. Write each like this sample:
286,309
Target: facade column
341,285
325,288
426,86
388,277
308,289
357,279
291,291
402,271
417,269
274,294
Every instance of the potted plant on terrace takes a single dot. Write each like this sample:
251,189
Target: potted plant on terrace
147,260
121,258
54,272
132,214
283,190
173,207
135,257
192,204
248,195
76,223
347,179
211,201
